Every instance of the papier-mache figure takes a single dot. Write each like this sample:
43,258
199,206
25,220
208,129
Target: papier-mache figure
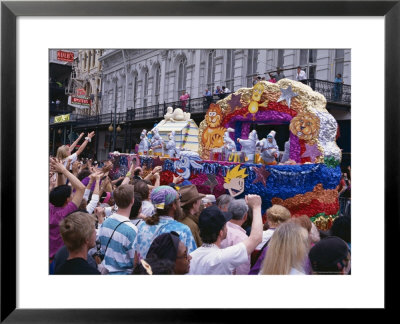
171,148
157,143
249,145
229,143
269,148
286,153
144,144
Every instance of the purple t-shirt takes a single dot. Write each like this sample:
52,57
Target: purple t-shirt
85,181
57,214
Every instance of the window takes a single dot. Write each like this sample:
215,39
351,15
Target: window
85,61
119,99
181,76
129,97
157,84
145,87
135,87
303,57
90,58
110,100
211,70
281,59
252,57
230,69
339,61
94,58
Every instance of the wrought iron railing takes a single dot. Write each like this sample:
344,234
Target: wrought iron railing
334,93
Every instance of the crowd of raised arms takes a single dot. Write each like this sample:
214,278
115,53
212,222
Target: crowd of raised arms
134,225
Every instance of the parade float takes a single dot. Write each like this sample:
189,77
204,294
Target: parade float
231,159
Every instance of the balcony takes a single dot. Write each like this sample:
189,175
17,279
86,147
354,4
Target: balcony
199,106
334,93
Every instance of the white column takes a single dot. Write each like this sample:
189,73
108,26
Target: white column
197,91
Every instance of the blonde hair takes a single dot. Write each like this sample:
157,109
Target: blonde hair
235,173
278,214
76,228
287,249
62,152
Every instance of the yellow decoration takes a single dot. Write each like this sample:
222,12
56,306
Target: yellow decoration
235,173
305,126
212,136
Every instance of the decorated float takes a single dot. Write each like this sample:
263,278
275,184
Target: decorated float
231,159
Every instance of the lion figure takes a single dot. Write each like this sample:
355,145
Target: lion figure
214,133
305,126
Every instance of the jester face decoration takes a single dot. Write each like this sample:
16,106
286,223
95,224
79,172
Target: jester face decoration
234,181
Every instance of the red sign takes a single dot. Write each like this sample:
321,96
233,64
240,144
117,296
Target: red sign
65,56
81,92
80,101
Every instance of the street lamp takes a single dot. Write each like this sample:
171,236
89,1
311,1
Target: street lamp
110,128
119,128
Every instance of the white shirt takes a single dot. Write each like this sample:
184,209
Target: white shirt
294,271
148,208
73,158
227,90
210,259
301,76
265,237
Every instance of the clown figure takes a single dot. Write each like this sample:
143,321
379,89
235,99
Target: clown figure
157,143
172,150
229,143
249,145
144,144
269,148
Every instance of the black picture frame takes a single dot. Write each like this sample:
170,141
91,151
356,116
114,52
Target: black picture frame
10,10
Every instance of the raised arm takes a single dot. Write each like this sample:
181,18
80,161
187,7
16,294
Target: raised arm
96,174
71,148
87,140
79,187
255,238
154,171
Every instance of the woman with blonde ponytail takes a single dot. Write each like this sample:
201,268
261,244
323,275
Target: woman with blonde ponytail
287,250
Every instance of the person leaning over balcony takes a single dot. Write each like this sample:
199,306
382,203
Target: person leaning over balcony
184,99
62,202
338,87
301,75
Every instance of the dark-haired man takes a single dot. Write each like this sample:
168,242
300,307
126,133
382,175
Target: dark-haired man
210,258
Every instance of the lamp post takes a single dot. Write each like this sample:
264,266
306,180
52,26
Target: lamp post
115,117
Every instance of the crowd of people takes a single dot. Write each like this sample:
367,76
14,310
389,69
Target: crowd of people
134,225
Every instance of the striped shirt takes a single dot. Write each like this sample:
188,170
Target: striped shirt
121,249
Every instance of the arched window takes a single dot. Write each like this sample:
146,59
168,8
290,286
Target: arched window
85,62
94,58
181,76
230,69
145,87
90,59
211,70
135,87
157,85
252,57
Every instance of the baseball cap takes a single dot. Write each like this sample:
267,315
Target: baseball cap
212,220
326,254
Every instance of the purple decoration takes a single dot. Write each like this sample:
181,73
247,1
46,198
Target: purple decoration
312,152
295,149
235,101
245,130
